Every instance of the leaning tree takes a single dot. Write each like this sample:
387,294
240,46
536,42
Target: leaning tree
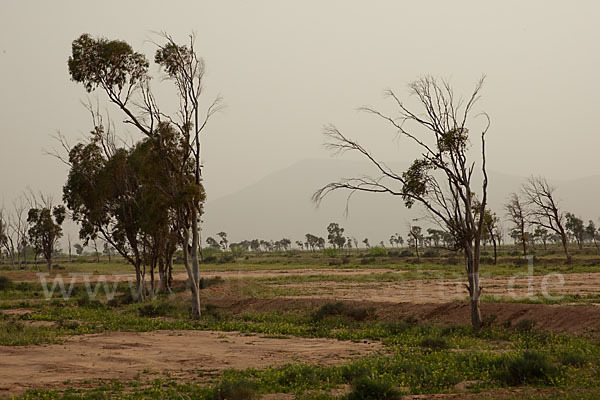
441,179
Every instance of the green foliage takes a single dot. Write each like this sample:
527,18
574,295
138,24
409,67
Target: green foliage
331,252
335,235
342,310
377,251
434,343
45,229
208,282
111,64
575,359
367,388
429,253
19,333
530,367
524,325
239,389
5,283
416,179
156,309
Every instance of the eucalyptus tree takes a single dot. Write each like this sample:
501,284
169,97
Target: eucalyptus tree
575,228
441,178
415,238
45,229
592,233
212,243
223,242
335,235
491,223
122,74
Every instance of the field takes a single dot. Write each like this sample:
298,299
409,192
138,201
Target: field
306,325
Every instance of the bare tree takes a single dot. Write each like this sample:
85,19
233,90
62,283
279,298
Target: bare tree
544,209
518,215
441,179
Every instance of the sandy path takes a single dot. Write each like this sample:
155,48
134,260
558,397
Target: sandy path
122,355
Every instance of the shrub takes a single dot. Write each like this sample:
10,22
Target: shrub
529,367
487,260
210,255
240,389
488,320
212,310
208,282
86,301
5,283
377,251
155,309
343,310
406,253
366,388
122,299
226,258
452,260
330,252
430,253
434,343
573,359
524,325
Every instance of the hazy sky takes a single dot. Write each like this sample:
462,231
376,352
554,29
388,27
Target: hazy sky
287,68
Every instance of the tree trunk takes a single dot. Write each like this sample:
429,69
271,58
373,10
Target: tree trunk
49,264
474,287
138,283
495,251
195,246
193,282
565,243
170,273
152,288
162,275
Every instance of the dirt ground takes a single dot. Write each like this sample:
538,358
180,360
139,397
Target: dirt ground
434,289
192,355
582,319
519,288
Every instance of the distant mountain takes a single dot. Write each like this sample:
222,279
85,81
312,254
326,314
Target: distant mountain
279,205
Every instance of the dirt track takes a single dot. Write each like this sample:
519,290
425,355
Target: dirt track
432,289
185,354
